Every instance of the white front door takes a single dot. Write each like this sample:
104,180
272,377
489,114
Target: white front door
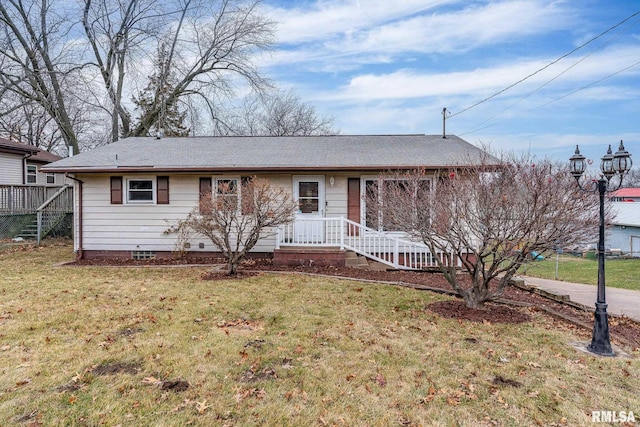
309,193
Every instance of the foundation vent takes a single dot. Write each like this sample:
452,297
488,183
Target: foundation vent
139,255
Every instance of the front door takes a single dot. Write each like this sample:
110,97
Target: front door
309,193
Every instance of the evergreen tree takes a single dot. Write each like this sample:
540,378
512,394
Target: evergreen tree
169,121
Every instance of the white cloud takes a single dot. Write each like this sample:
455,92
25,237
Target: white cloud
377,31
325,19
407,84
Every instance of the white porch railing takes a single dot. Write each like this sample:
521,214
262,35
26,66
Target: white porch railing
53,210
340,232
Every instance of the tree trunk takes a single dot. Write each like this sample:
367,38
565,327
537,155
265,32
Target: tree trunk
232,268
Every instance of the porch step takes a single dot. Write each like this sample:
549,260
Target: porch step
354,260
30,232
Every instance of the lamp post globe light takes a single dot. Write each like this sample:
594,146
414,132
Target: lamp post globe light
612,166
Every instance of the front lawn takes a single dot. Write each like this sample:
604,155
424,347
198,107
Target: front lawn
619,273
161,347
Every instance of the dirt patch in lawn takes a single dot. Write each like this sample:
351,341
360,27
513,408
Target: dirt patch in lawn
490,313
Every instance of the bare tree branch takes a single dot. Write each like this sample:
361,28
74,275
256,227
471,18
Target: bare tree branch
493,216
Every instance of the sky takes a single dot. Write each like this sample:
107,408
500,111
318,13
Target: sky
525,75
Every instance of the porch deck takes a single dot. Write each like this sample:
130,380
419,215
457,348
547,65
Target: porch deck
308,236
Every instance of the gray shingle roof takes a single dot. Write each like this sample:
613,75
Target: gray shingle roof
274,153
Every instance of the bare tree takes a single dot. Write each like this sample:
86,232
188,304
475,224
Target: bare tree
633,178
238,215
28,123
211,47
277,114
492,216
35,62
208,45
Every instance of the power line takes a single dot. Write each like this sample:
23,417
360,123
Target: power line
480,126
546,66
590,84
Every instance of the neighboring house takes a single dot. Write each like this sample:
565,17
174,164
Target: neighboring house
626,195
625,228
129,192
20,165
24,186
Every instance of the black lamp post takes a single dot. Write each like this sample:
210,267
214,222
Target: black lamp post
612,165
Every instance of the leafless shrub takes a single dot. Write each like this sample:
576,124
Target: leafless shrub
492,215
234,219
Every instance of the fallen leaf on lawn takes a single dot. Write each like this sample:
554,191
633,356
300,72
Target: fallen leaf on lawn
453,401
381,380
534,365
151,381
432,390
202,406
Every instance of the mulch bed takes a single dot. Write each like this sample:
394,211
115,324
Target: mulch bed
622,329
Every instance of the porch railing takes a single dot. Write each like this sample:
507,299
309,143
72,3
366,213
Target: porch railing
385,248
23,199
53,210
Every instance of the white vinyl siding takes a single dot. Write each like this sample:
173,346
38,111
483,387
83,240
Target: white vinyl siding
11,169
141,227
336,196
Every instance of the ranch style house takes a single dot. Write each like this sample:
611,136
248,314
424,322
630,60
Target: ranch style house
128,193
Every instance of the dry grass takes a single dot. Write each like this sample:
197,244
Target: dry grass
117,346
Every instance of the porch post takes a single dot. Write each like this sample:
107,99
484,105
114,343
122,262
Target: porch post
396,254
39,216
342,232
10,199
278,234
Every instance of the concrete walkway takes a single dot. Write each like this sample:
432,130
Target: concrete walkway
621,301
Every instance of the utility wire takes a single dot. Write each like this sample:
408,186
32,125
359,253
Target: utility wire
590,84
480,126
546,66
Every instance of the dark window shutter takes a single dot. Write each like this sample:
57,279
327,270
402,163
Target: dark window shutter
205,187
116,190
162,190
353,202
247,196
205,194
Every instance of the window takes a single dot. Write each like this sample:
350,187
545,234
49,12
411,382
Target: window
32,174
140,191
227,192
383,197
51,178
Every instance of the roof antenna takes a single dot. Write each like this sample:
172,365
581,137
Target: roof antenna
445,115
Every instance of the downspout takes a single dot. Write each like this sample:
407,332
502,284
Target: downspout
24,168
80,243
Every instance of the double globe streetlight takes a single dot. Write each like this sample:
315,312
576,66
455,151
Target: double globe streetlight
612,165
